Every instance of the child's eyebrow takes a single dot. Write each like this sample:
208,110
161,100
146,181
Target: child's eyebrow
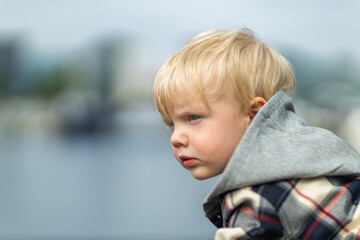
190,111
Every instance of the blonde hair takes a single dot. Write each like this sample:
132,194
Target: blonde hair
219,61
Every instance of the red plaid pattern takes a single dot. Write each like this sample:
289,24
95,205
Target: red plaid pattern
308,209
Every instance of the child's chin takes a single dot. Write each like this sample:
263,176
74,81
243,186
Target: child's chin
200,175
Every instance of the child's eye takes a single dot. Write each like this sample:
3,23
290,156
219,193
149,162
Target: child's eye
193,117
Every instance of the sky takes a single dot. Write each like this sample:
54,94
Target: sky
160,27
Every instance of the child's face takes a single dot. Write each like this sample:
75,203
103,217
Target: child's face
203,139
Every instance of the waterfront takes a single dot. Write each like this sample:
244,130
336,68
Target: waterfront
119,185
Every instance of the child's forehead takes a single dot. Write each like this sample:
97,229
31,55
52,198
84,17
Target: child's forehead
201,90
193,100
189,99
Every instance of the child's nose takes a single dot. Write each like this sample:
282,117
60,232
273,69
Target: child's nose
179,139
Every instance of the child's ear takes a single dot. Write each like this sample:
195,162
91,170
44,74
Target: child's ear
255,105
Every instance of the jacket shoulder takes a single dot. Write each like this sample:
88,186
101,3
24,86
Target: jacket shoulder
314,208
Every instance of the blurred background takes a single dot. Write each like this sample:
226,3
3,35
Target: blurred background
83,153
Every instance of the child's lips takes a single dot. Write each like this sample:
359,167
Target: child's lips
187,161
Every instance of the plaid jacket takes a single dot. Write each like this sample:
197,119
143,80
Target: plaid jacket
319,208
287,180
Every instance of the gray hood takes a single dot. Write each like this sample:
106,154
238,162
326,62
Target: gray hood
279,145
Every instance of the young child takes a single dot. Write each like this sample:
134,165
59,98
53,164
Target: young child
225,98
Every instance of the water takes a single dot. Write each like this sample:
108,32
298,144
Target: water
121,185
